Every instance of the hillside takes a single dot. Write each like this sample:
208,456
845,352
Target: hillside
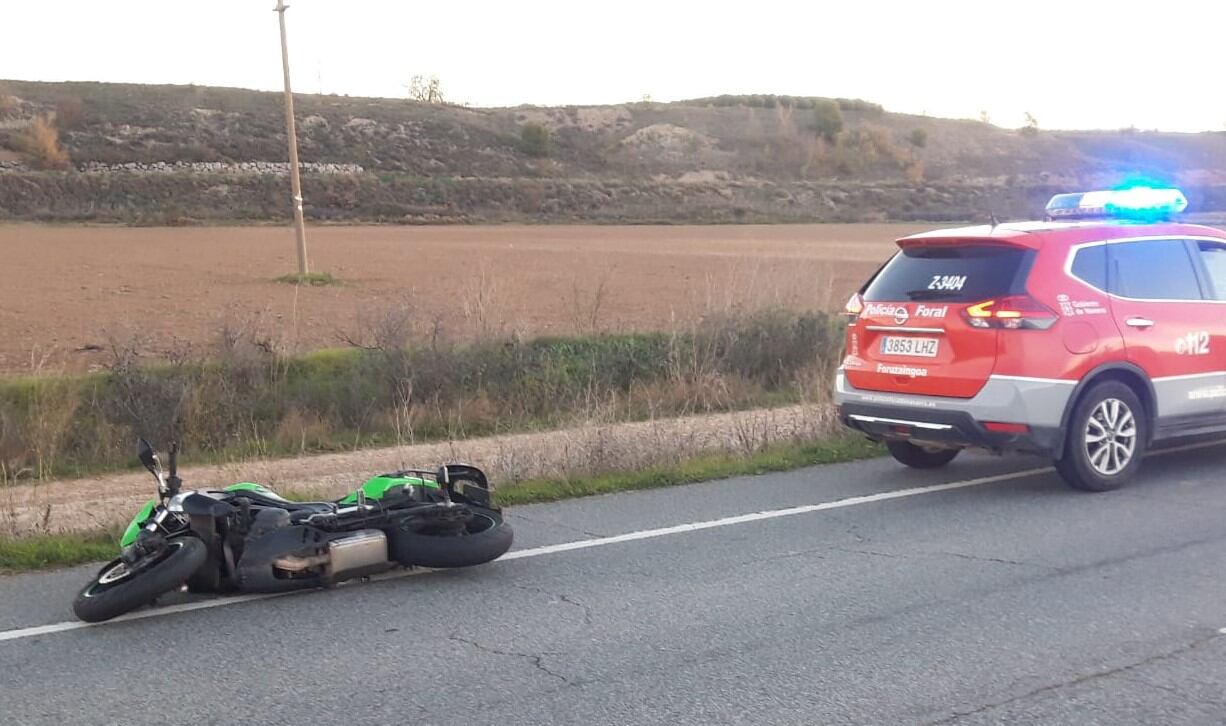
185,154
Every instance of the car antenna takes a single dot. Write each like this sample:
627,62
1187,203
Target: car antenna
994,220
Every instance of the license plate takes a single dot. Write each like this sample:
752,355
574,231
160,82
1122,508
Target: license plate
920,347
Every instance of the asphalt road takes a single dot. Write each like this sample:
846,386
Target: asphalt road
865,594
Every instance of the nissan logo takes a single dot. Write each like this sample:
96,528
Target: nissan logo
900,315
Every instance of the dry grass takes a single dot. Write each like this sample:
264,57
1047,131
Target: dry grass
40,141
595,447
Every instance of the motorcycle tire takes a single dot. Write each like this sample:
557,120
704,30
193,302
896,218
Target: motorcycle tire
486,537
112,592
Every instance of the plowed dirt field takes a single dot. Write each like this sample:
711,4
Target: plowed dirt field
67,294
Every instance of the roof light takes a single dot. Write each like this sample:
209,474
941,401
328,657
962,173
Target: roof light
1130,203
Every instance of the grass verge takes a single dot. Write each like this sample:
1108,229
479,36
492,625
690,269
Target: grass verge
706,467
56,550
63,550
314,279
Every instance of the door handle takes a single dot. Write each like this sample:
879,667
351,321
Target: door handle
1139,322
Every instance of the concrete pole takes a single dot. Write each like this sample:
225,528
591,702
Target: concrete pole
292,135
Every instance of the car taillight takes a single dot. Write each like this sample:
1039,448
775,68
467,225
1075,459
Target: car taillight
854,306
1015,312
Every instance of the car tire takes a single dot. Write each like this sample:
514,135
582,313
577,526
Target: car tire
1105,439
918,457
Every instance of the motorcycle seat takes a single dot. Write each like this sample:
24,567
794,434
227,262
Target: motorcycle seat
264,500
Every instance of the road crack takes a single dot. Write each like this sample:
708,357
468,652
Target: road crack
536,660
586,533
941,553
814,553
561,597
1123,669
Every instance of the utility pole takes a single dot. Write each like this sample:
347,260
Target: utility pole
295,182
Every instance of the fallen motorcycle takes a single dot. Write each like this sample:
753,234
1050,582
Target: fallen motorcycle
246,538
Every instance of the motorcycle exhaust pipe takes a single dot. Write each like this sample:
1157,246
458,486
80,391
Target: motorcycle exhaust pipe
362,553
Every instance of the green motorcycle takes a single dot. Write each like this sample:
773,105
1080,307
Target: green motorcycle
246,538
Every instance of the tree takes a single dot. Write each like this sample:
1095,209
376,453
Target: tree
827,119
426,90
1032,125
535,139
918,138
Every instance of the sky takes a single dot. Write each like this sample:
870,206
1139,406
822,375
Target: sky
1071,63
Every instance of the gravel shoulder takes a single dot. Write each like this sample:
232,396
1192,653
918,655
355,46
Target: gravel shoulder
109,500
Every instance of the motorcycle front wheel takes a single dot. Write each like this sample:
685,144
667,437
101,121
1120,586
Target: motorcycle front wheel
119,587
484,538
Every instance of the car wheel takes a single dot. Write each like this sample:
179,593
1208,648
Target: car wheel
920,457
1105,440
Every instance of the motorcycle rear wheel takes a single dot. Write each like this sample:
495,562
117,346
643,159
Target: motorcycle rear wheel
119,588
486,537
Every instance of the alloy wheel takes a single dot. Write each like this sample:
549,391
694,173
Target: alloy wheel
1110,437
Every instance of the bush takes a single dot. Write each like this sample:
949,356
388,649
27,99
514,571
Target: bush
827,120
1031,128
41,142
918,138
860,106
8,103
535,139
69,113
249,400
426,90
801,102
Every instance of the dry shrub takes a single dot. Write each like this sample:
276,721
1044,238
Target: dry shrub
151,401
302,431
53,405
41,142
8,102
385,335
36,427
479,305
586,305
69,113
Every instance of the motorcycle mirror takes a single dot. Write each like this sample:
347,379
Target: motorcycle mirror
147,455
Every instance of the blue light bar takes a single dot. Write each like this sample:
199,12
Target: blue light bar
1134,203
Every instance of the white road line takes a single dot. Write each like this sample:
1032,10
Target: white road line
551,549
769,514
588,543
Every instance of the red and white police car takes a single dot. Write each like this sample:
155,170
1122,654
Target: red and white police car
1086,338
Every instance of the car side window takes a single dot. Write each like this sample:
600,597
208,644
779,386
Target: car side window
1152,270
1090,266
1213,256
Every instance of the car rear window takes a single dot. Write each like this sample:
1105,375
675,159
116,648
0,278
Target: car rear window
963,273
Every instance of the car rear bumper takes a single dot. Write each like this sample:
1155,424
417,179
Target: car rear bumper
1037,403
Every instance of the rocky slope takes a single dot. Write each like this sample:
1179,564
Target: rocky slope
185,154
